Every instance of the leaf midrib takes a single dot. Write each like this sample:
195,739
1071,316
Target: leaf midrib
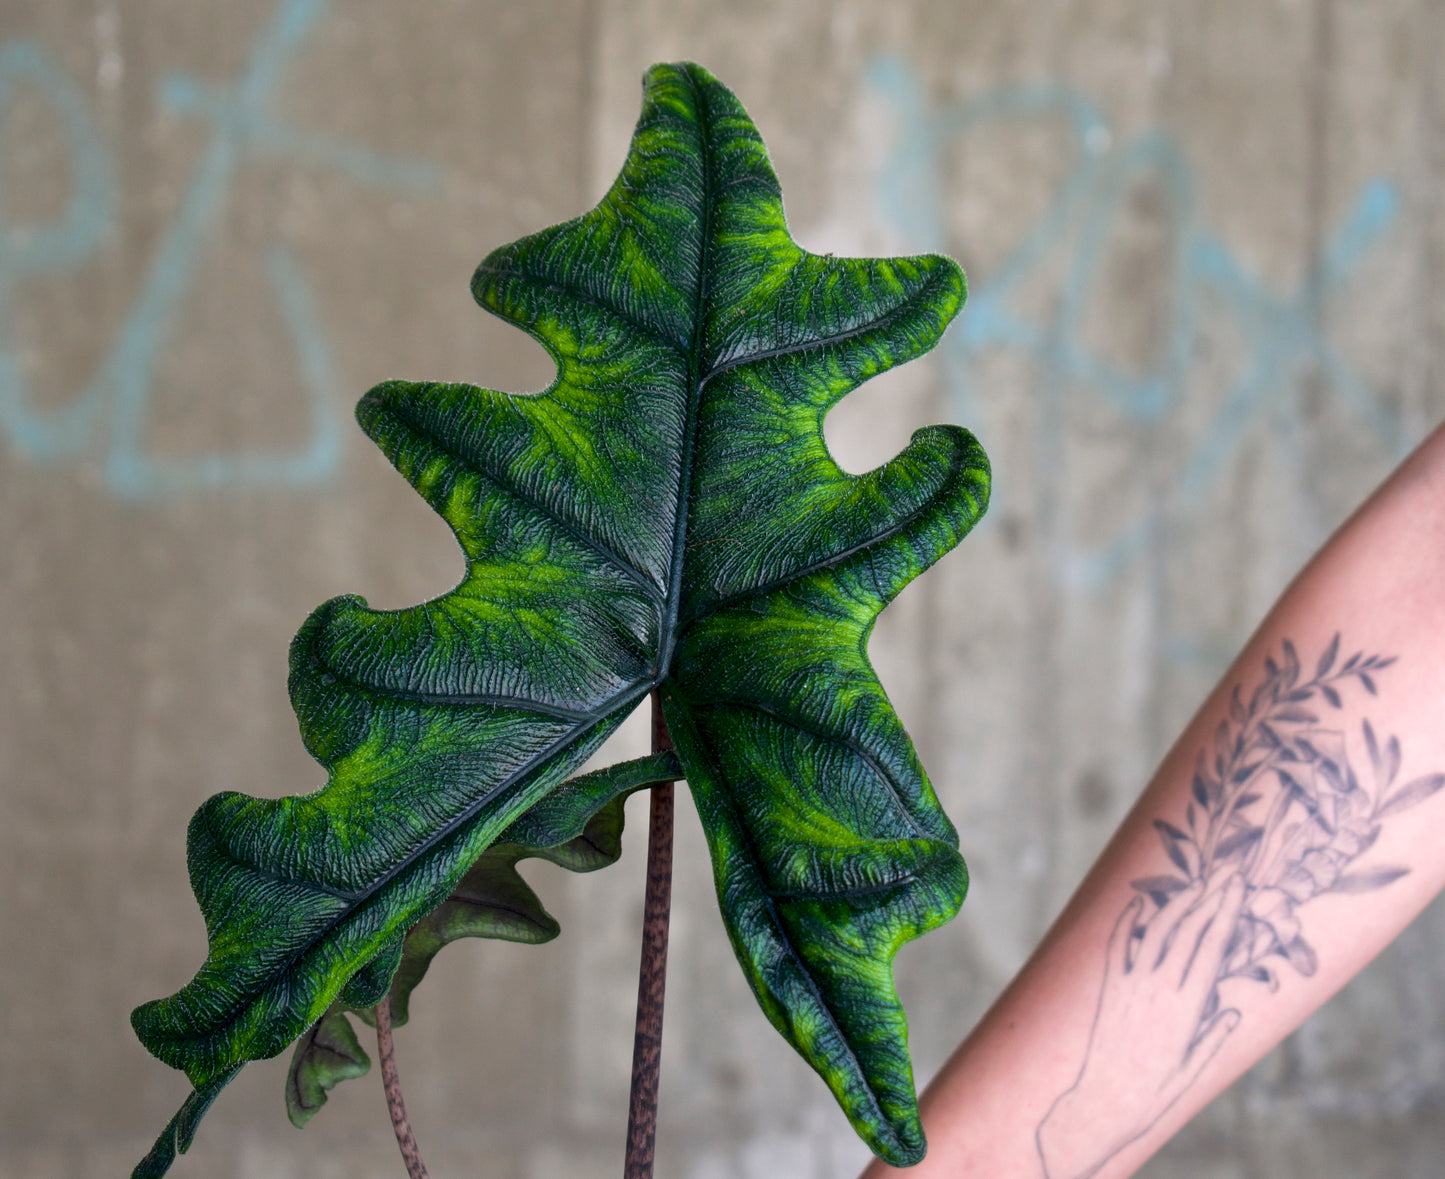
667,639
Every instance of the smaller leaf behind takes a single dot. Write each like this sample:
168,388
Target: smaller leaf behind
578,828
325,1056
492,901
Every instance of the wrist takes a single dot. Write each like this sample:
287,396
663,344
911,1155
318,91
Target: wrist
1076,1137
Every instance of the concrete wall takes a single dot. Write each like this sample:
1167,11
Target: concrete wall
1205,249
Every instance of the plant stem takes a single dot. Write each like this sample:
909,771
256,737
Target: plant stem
652,974
400,1124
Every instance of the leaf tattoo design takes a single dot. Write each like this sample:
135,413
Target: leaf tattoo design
666,516
1278,800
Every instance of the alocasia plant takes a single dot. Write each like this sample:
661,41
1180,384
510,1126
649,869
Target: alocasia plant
664,517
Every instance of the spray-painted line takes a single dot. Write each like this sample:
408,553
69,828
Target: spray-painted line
1282,332
111,413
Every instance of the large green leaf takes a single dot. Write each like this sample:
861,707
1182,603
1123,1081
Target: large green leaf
666,515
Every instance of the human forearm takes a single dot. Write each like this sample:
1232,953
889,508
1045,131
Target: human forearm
1260,870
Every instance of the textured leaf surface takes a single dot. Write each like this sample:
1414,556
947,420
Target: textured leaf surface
666,515
579,827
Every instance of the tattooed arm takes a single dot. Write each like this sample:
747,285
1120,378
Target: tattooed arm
1290,834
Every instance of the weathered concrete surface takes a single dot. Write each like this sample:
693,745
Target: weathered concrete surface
1205,248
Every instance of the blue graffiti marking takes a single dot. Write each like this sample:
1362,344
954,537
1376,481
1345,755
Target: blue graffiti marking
1282,332
118,397
34,249
27,250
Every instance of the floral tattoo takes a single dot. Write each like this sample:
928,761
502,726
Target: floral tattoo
1279,814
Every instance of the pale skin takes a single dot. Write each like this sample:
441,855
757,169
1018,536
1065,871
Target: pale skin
1228,908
